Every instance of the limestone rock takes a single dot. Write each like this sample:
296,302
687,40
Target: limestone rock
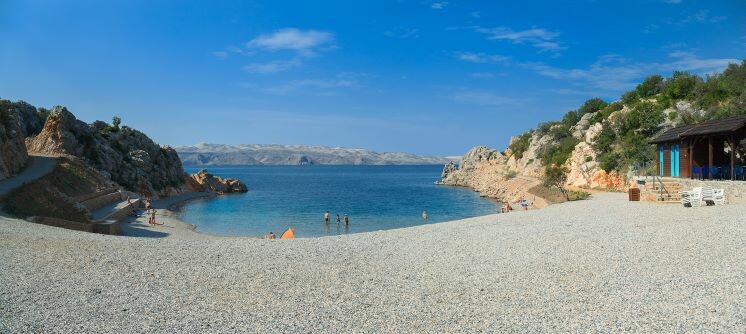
13,154
204,181
592,132
449,168
128,156
578,130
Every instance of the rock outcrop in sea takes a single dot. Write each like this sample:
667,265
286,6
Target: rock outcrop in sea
204,181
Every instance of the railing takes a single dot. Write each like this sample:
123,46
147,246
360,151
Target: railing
642,169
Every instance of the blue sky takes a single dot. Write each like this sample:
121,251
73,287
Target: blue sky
428,77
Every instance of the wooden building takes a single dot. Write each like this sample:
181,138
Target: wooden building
707,150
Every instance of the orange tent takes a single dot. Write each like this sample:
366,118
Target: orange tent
288,234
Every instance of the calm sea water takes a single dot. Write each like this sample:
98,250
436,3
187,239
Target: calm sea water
374,197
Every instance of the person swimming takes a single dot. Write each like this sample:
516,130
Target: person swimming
424,216
326,217
338,219
347,220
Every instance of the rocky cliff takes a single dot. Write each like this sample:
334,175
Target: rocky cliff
124,154
255,154
13,155
204,181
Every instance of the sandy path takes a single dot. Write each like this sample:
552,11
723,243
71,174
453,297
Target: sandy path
38,166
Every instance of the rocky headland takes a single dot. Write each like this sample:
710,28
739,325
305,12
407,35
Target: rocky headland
97,171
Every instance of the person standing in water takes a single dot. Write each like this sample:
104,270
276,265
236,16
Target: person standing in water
338,219
326,217
424,216
347,220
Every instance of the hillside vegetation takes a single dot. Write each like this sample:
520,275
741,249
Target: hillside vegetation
628,124
597,145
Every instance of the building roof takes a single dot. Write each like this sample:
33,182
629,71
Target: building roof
717,126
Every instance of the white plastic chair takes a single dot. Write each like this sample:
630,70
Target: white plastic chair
686,199
718,196
695,197
708,196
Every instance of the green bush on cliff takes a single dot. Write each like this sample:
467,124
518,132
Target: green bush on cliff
519,146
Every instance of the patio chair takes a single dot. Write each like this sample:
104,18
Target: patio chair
724,172
708,196
718,196
697,172
686,198
695,197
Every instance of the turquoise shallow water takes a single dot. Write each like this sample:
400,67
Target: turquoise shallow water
374,197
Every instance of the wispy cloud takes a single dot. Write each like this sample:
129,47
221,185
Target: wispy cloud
220,54
481,57
613,73
482,98
703,16
305,42
482,75
542,39
402,33
319,87
272,66
439,5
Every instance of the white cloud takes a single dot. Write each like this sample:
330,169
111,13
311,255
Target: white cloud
482,98
402,33
220,54
542,39
482,75
439,5
703,16
272,67
320,87
305,42
481,57
613,74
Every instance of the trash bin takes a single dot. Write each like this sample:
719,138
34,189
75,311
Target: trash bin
634,194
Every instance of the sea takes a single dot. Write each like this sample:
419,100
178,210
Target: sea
373,197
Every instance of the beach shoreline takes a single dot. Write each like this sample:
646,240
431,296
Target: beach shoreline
605,264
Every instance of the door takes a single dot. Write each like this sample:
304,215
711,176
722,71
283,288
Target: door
660,160
675,160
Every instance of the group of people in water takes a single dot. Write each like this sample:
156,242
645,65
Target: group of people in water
339,220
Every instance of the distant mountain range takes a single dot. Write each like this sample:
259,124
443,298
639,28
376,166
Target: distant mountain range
258,154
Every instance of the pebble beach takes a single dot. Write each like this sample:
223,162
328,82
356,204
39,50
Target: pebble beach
600,265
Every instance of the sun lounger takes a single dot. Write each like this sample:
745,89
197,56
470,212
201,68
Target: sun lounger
718,196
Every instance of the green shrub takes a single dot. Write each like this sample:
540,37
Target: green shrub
511,174
591,106
574,195
520,146
652,85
